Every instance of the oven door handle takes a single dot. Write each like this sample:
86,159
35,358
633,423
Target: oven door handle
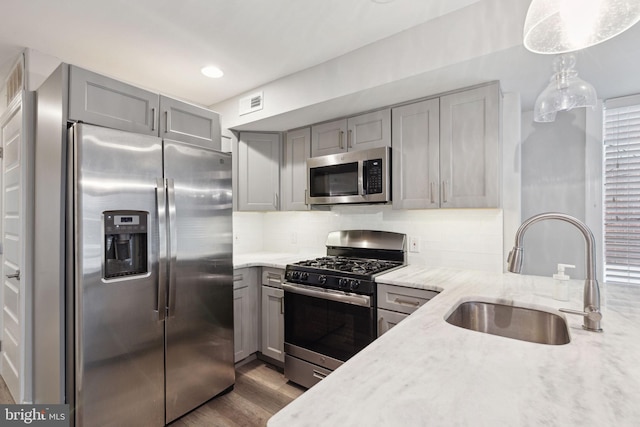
327,294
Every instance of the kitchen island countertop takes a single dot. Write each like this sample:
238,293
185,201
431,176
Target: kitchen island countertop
425,371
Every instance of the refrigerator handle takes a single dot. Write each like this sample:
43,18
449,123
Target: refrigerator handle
161,305
173,247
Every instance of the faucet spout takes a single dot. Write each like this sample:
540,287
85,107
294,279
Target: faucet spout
591,287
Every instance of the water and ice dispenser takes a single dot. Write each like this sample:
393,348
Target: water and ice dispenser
125,243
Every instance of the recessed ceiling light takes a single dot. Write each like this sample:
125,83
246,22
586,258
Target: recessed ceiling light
213,72
383,1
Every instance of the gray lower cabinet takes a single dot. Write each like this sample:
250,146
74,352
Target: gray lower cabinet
272,343
297,149
388,319
245,312
446,151
395,303
258,171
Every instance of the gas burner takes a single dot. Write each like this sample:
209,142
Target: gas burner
352,265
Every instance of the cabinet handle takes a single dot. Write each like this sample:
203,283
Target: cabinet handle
274,280
319,375
341,137
350,139
275,200
15,275
433,190
281,305
405,302
166,122
153,119
444,191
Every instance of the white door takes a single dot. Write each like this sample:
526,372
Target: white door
16,276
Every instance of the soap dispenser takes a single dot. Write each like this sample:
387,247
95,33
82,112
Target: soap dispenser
561,283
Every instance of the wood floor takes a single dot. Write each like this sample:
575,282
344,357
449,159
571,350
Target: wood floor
5,396
260,391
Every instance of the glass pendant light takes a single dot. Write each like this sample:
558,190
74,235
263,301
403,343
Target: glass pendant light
559,26
564,92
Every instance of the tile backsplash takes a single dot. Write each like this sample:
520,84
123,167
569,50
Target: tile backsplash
462,238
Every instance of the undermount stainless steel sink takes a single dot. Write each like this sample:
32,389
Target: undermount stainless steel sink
520,323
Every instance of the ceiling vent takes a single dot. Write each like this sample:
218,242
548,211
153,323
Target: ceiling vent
251,103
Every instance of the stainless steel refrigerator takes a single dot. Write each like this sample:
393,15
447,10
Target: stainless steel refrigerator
133,275
151,229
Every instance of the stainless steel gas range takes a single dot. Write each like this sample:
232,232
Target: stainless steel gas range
330,302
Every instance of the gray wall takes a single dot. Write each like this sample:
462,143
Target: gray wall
553,179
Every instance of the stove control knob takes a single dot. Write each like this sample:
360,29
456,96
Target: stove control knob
354,284
322,279
296,274
343,283
304,276
288,274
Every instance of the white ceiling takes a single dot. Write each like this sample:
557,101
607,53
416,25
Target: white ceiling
163,44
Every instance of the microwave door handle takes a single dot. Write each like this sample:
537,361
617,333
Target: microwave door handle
365,181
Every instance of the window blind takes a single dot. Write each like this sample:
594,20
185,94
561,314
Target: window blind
622,190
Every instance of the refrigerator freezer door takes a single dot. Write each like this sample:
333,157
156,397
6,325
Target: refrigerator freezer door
199,326
119,354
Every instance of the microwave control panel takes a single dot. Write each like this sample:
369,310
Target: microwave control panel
373,176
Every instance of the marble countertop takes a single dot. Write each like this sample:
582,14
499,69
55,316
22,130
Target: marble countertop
269,259
428,372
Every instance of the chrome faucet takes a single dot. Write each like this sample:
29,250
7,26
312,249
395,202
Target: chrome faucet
591,313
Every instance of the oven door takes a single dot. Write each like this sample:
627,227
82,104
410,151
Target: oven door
325,326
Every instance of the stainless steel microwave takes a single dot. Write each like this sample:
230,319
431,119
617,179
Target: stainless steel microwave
362,176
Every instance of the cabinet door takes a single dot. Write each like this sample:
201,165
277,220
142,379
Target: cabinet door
388,319
258,171
273,323
416,155
239,341
189,123
103,101
369,130
329,138
297,149
469,148
245,312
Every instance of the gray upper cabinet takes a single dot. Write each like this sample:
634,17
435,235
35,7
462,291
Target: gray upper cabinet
189,123
446,151
297,149
370,130
329,138
103,101
258,171
416,155
469,148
